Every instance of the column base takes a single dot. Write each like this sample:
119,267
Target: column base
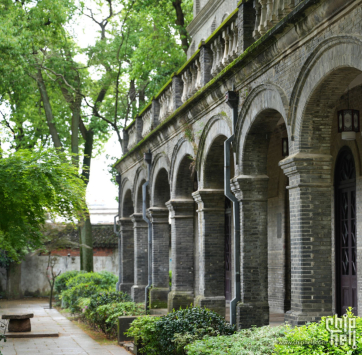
249,314
125,288
138,293
158,297
296,318
216,304
179,299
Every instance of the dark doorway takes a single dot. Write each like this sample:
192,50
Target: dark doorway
228,231
346,252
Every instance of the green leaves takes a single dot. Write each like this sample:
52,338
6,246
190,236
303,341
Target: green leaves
33,184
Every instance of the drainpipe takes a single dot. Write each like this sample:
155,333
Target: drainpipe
148,160
118,234
232,101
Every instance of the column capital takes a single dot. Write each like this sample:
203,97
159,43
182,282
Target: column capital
125,224
137,219
158,215
210,199
307,170
181,208
250,187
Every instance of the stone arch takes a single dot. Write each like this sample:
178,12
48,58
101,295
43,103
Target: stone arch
324,77
213,137
160,180
182,156
226,14
266,103
127,200
140,179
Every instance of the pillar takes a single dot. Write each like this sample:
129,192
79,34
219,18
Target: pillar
140,230
211,219
127,255
246,24
252,192
310,190
160,256
182,253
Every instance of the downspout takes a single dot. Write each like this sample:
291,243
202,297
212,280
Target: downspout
148,160
232,101
118,234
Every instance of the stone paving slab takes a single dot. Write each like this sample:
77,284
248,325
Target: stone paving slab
72,340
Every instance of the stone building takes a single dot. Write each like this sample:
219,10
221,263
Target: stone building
295,165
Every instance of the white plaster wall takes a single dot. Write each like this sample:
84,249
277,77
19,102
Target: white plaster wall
33,278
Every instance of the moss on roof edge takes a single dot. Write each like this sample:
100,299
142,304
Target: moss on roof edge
248,52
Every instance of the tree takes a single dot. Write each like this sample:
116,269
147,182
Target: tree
34,184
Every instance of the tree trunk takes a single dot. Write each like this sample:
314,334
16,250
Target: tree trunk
51,295
87,239
180,21
48,110
13,291
76,107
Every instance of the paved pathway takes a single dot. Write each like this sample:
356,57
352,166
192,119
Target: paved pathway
72,340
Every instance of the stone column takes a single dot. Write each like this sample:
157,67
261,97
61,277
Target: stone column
246,24
252,192
140,229
211,219
310,190
206,59
182,253
160,256
127,255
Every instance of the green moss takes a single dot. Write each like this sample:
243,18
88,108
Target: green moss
129,126
242,2
217,31
144,109
243,57
163,88
156,304
188,62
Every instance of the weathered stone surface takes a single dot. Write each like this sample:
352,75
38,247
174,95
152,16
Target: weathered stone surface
17,316
19,325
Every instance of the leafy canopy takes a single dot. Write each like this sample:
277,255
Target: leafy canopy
32,184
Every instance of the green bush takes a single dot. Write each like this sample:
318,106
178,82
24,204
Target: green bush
61,281
256,341
170,334
103,298
143,330
105,317
85,285
315,338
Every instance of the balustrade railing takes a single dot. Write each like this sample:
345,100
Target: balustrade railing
270,12
166,103
147,121
191,78
132,136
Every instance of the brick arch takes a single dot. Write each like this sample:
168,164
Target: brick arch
323,79
140,179
160,188
160,163
127,207
182,149
212,138
262,110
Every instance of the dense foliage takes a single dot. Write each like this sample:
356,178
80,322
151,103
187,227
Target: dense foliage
61,281
32,184
314,338
170,334
256,341
84,285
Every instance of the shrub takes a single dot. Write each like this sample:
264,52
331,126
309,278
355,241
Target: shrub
169,334
61,281
103,298
314,338
143,330
178,328
85,285
256,341
105,317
